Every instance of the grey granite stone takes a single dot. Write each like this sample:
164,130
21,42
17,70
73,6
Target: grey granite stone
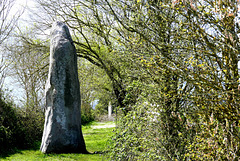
62,128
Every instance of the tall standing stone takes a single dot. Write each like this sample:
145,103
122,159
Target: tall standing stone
62,128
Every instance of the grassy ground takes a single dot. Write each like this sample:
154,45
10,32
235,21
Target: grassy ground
95,135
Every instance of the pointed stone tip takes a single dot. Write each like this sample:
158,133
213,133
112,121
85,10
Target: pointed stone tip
60,28
59,24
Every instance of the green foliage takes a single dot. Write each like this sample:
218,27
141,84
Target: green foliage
18,129
212,141
135,137
32,125
7,127
94,86
100,109
192,60
152,130
87,114
11,131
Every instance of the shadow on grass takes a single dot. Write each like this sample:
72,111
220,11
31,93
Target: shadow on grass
74,156
89,124
6,153
60,156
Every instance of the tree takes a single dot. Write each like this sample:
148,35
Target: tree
94,86
7,24
201,50
17,129
29,66
92,37
148,30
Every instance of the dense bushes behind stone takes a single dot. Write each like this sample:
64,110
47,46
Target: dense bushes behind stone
87,114
18,128
10,126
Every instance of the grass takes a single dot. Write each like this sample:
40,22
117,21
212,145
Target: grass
95,139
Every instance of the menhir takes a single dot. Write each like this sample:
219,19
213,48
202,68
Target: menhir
62,128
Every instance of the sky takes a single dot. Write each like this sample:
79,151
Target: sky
21,4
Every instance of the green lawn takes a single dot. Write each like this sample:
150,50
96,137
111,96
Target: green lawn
95,139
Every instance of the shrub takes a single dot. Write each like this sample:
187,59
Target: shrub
87,115
32,124
215,141
100,110
148,133
10,126
19,129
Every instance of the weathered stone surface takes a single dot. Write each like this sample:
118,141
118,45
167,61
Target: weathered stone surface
62,128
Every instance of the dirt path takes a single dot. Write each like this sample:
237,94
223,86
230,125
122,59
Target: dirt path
103,125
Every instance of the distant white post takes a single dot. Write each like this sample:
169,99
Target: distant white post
109,110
